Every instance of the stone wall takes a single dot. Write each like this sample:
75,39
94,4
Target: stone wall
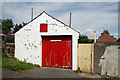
106,58
109,61
10,49
99,49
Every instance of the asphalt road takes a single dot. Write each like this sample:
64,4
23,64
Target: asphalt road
40,73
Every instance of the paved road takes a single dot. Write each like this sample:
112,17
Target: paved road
40,73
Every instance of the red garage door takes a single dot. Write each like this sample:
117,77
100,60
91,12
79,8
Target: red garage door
56,52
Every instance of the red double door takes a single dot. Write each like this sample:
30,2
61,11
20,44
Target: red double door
57,52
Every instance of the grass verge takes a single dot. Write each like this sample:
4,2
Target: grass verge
16,65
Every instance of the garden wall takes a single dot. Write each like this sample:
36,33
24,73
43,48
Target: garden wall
10,49
106,58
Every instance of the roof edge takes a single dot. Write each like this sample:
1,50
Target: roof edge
52,17
60,21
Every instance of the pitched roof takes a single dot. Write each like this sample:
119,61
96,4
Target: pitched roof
118,40
106,37
53,18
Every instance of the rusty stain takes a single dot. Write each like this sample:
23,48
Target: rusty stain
32,44
27,29
35,46
29,44
54,24
46,21
25,60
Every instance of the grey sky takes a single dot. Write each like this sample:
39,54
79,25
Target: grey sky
86,16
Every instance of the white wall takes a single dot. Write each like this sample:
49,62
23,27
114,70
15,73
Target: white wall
28,40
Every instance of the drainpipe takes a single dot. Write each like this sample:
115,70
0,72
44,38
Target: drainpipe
94,36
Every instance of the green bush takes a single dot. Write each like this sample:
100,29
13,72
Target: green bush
85,39
9,39
78,68
4,55
76,71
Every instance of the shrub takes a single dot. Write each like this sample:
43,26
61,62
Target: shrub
78,68
9,39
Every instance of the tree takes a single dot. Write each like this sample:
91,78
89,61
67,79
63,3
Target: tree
7,26
18,27
84,39
0,28
24,24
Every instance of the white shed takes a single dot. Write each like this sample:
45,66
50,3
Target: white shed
47,42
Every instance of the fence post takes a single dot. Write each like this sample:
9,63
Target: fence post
92,58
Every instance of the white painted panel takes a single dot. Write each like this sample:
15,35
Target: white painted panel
55,40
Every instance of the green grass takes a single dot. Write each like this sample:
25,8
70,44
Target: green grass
78,70
16,65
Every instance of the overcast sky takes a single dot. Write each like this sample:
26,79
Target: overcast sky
86,16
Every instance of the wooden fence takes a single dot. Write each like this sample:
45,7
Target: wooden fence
85,56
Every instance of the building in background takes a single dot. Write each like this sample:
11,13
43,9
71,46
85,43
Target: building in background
106,37
118,40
